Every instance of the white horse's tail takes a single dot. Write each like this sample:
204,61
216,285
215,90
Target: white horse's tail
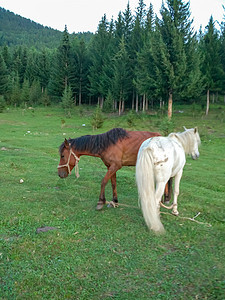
146,189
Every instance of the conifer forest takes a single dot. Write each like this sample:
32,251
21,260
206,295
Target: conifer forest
137,61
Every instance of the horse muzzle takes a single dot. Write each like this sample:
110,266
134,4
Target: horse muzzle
62,173
195,156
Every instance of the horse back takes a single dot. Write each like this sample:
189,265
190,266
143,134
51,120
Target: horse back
125,151
167,154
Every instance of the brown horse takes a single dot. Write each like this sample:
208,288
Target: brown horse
116,148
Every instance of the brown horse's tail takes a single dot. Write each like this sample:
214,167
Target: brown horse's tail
146,189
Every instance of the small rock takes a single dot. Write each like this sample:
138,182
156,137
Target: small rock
45,229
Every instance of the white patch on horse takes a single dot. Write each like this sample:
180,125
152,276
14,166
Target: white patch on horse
158,152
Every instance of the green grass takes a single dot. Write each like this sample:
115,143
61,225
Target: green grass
108,254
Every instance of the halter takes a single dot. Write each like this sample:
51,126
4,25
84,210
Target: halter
68,162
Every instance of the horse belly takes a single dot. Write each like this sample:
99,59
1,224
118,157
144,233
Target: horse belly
130,151
132,144
129,158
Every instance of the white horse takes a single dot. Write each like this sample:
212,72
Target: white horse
159,159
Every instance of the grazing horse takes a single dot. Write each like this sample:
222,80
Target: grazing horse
159,159
116,148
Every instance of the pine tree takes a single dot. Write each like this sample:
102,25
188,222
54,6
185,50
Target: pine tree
4,78
145,69
35,92
122,76
79,69
15,97
45,100
19,62
25,93
222,51
67,100
7,56
101,51
128,24
97,118
60,72
212,64
31,72
180,67
43,69
119,28
136,43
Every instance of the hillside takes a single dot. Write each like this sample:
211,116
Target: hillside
16,30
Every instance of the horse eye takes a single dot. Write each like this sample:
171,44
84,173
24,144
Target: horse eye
62,156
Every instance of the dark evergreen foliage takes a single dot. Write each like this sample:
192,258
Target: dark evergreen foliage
137,57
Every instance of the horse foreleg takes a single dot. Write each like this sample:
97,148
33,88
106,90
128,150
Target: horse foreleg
114,190
176,191
111,171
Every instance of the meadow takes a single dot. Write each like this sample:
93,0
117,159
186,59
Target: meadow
108,254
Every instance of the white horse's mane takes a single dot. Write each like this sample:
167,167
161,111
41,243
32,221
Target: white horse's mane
187,138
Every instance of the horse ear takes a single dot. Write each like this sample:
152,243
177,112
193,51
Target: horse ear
66,143
195,129
172,135
185,128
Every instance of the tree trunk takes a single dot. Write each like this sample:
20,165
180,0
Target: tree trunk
207,103
140,103
100,101
144,102
115,105
133,101
119,107
80,95
170,105
123,106
136,102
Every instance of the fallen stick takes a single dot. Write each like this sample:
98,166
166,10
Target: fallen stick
187,218
162,212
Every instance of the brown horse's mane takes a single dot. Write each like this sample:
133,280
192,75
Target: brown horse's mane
96,144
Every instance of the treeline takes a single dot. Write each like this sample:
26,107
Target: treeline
132,62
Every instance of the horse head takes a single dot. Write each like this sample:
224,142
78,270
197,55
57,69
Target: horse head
196,142
67,161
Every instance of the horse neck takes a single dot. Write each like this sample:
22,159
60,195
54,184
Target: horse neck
84,152
186,140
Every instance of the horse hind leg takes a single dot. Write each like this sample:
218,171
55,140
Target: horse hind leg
176,191
168,191
160,188
111,172
114,202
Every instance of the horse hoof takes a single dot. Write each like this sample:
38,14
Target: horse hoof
175,213
99,206
112,204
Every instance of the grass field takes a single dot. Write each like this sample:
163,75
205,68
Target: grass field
108,254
